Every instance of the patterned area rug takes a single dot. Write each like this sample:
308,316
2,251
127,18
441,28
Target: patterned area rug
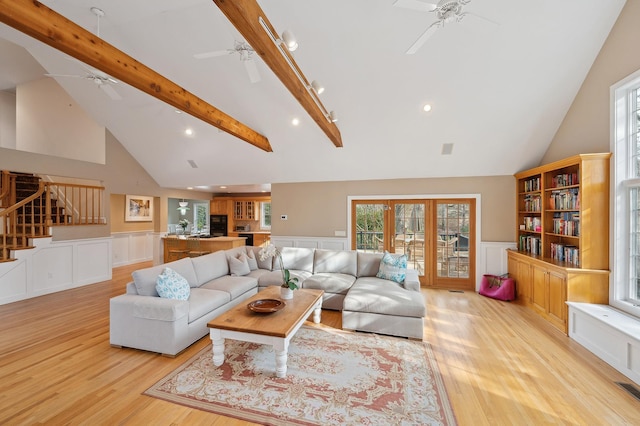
333,377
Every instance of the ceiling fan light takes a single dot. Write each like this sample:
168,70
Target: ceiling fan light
319,88
289,40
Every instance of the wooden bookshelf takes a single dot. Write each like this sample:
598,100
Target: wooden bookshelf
562,215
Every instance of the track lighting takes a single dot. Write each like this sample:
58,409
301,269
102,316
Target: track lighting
315,88
289,40
319,88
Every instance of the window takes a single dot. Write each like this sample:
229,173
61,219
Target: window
626,212
201,216
265,215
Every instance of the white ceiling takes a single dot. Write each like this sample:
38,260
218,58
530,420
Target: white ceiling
499,92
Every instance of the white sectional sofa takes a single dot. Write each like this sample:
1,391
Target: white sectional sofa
142,319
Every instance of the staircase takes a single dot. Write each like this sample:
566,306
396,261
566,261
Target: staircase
29,207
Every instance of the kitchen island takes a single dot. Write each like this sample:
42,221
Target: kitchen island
207,244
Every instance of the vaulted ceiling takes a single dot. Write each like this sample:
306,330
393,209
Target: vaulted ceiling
499,83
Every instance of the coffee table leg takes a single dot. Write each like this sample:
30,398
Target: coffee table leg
281,359
316,314
218,347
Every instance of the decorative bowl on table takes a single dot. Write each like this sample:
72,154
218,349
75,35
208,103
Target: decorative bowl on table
266,306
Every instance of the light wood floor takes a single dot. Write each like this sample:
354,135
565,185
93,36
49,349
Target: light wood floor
501,366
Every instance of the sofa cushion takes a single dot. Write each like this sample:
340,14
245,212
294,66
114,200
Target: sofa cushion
275,277
239,265
393,267
171,285
204,301
368,264
338,261
330,282
252,260
375,295
262,264
235,286
210,266
296,258
145,279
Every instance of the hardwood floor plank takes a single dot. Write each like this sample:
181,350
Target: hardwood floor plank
501,364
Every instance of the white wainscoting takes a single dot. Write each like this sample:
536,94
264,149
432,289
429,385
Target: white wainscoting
134,247
328,243
492,259
610,334
53,266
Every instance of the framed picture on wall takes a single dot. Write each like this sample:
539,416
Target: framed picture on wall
138,208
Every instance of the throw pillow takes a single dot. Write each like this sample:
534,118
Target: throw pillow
393,267
171,285
251,258
239,265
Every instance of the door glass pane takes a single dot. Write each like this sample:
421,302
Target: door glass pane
370,227
409,234
453,240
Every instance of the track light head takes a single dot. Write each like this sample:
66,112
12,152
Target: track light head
319,88
333,116
289,40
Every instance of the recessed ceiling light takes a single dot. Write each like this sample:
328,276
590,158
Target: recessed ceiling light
189,187
426,108
295,121
188,131
223,187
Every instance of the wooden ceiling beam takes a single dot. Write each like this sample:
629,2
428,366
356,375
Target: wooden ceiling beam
40,22
245,16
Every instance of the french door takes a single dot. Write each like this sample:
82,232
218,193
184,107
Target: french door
436,235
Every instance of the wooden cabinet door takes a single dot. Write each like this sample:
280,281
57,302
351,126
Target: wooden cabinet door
557,297
524,287
539,288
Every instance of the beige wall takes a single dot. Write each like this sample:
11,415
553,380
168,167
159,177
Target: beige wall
320,208
586,126
120,175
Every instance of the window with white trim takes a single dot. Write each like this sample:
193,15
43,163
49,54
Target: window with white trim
626,201
265,215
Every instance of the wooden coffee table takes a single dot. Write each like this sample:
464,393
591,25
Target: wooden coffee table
275,329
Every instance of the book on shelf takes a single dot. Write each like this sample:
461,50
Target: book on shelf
532,224
566,223
565,199
530,244
532,203
564,179
532,184
565,253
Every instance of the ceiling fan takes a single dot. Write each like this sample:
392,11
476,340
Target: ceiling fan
445,10
102,80
245,52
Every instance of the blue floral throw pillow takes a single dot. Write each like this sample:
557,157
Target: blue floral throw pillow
171,285
393,267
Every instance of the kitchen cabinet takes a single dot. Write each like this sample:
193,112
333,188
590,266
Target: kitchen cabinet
261,239
244,210
219,206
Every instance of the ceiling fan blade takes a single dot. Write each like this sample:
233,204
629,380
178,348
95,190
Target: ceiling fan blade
213,54
482,17
415,5
423,38
111,92
252,70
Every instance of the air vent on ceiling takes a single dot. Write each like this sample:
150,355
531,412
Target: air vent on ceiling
193,164
447,148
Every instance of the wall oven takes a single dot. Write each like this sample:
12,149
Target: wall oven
218,225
